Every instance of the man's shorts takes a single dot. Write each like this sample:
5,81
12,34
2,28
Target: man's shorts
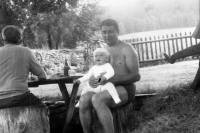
130,88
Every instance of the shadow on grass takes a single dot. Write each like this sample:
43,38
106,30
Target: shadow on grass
174,110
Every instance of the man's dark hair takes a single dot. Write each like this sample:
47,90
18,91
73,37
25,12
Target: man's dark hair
12,34
110,22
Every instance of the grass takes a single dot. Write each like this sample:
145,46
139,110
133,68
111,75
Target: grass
153,79
174,110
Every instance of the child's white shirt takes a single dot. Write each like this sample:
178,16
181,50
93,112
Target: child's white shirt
97,70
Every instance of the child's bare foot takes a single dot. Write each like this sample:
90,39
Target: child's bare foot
168,58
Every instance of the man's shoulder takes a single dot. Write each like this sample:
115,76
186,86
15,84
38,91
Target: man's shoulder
125,45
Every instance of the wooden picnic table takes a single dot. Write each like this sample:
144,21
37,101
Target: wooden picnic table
69,100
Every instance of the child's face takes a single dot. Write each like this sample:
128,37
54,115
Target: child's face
100,58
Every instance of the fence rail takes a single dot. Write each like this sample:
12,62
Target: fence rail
152,48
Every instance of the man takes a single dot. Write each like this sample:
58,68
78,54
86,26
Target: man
15,64
124,60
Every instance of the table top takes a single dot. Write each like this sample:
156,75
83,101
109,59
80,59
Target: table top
63,79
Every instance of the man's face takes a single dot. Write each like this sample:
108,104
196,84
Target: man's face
109,34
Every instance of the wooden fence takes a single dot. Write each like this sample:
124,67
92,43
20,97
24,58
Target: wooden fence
152,48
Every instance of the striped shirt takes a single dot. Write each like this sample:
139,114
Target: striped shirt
15,64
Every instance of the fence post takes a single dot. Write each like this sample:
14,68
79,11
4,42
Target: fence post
164,43
151,48
186,40
160,47
142,49
168,45
181,41
173,44
156,49
147,55
191,39
176,42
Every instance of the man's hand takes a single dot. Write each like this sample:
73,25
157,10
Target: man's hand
93,82
102,80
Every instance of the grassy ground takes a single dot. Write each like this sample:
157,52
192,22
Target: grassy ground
153,78
174,110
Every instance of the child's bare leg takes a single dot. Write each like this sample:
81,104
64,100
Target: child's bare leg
112,91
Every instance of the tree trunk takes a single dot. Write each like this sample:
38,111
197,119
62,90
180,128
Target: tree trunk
29,119
49,40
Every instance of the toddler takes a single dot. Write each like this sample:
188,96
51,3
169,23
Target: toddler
102,71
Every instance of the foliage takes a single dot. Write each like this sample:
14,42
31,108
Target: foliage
147,15
52,23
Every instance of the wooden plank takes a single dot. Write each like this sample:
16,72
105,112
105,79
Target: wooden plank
168,44
64,79
142,49
176,42
173,46
186,40
147,51
64,92
138,49
156,48
181,42
163,39
71,106
152,57
191,39
152,60
160,47
164,43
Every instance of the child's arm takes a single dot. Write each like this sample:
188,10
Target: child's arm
87,76
109,71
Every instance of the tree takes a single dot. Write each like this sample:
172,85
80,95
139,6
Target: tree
64,24
26,13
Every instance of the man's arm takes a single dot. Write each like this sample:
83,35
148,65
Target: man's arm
36,68
132,64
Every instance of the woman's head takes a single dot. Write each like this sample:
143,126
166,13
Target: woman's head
12,34
101,56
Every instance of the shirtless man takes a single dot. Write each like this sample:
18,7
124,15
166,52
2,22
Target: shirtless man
124,60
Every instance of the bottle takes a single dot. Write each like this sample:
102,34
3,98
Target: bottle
66,68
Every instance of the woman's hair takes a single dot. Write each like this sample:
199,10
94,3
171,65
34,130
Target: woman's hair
12,34
110,22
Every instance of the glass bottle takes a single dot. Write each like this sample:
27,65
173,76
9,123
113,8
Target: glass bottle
66,68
